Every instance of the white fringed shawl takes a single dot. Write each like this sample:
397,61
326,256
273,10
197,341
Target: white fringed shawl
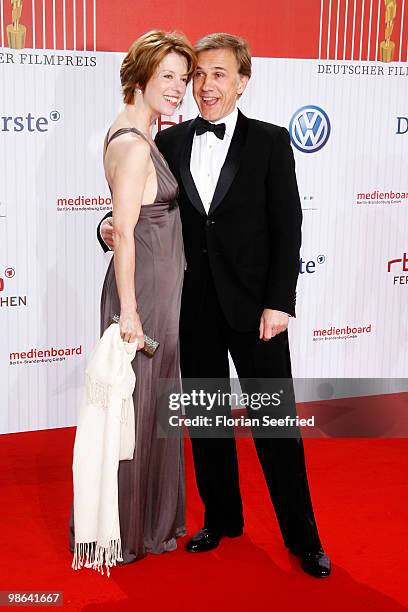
105,434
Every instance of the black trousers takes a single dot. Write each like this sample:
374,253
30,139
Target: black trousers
205,339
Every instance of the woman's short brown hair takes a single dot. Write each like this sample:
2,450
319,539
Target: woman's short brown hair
221,40
145,55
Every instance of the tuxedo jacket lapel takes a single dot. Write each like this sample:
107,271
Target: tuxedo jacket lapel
185,173
228,170
232,161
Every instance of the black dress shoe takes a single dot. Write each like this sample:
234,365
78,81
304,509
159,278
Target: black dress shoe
207,539
316,564
203,540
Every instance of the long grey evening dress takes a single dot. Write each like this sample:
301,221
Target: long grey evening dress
151,485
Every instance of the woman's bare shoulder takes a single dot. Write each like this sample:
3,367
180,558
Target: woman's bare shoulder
127,150
129,143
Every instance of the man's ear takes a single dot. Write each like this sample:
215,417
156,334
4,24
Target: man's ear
242,83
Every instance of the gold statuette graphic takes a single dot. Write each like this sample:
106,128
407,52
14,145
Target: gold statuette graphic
16,32
387,46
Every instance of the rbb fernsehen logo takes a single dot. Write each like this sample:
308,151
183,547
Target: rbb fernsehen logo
309,129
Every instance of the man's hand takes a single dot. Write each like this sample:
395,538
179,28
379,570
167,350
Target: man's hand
106,230
273,322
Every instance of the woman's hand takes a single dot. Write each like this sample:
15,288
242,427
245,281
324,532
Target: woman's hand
130,327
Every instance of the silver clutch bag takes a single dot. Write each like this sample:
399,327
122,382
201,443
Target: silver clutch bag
150,345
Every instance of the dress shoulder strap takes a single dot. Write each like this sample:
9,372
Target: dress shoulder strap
108,139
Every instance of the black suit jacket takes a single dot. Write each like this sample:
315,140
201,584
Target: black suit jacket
252,233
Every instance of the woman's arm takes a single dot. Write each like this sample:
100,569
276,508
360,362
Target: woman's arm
130,172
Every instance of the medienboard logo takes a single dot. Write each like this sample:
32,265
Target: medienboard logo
44,355
6,284
389,196
309,129
28,123
399,264
81,202
347,332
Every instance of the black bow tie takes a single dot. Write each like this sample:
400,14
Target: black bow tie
202,126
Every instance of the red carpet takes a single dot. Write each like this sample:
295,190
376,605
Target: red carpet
360,492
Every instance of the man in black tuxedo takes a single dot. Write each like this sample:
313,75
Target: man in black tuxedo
241,217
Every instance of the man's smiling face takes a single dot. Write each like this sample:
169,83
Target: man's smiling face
217,83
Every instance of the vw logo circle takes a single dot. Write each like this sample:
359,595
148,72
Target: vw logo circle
309,129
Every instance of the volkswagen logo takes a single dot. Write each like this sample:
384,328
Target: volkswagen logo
309,129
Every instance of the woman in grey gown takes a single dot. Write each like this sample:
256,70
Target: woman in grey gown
143,285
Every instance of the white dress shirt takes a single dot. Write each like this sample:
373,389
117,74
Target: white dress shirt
208,155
